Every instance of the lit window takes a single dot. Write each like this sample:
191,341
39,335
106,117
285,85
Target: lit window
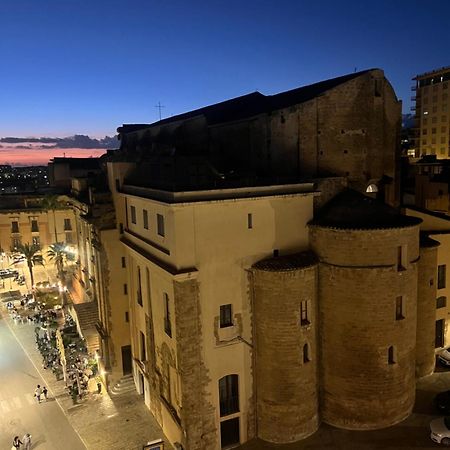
372,188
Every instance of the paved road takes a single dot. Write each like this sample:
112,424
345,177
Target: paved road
19,411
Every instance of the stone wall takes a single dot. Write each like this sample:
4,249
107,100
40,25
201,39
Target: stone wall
367,350
285,378
197,414
426,311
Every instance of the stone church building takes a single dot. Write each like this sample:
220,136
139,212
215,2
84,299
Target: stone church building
272,283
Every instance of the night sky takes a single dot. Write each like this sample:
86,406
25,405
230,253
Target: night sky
87,67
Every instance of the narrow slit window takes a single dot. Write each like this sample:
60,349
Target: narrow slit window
306,354
401,257
304,313
399,308
392,356
249,221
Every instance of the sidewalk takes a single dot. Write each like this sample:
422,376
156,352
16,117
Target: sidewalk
102,422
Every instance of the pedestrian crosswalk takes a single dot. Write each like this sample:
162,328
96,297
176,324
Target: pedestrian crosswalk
18,402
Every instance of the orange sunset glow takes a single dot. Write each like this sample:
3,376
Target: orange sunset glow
40,157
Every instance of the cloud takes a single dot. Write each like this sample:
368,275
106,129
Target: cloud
76,141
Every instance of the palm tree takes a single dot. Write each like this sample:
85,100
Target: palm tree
58,254
32,257
51,203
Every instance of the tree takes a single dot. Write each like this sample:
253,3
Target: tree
32,256
58,254
51,203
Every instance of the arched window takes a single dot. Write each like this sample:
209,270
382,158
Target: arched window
306,355
392,355
372,188
229,395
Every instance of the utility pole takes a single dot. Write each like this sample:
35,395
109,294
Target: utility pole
159,106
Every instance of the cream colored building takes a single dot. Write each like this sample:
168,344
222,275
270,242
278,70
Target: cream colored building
98,283
23,220
432,113
188,256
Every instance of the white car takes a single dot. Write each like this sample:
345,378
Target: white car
440,430
444,357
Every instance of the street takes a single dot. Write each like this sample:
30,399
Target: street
19,411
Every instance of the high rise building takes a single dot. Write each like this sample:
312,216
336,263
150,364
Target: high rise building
432,113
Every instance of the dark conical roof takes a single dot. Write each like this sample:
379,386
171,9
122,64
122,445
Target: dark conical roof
352,210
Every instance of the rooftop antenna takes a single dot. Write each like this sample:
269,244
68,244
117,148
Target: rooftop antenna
355,69
159,106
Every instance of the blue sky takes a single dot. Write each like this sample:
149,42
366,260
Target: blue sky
88,66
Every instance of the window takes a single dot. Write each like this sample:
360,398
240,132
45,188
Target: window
124,262
434,120
439,333
69,238
160,224
14,227
399,311
167,323
133,214
121,228
441,302
392,355
34,226
304,315
117,184
139,287
226,316
67,225
276,253
306,356
16,242
443,129
143,352
433,131
127,318
229,395
149,295
249,221
145,218
125,289
401,257
36,241
424,131
441,276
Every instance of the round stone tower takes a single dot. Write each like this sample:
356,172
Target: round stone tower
285,346
368,257
426,307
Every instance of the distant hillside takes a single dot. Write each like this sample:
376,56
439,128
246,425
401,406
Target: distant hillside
77,141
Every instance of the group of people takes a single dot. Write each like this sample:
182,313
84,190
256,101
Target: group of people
26,442
40,391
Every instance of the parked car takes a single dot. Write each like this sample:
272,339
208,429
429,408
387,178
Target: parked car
440,430
444,357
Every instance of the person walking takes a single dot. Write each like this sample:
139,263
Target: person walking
38,393
27,441
44,391
16,442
